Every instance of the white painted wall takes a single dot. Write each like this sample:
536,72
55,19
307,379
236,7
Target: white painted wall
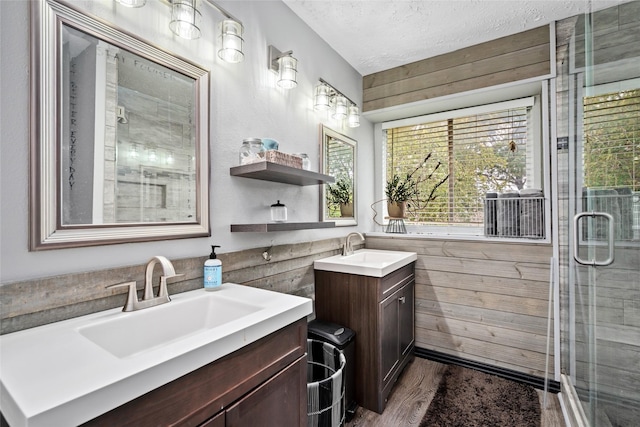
245,102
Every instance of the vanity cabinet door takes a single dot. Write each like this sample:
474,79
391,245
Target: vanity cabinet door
406,310
397,333
281,401
389,338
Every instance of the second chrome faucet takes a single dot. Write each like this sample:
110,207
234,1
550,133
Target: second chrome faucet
347,249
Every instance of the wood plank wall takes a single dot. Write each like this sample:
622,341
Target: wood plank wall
31,303
482,301
504,60
615,36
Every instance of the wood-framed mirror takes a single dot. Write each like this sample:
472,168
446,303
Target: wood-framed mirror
119,136
338,154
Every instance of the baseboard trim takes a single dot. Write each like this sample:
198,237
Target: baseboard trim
536,382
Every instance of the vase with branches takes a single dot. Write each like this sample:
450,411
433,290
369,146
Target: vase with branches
402,189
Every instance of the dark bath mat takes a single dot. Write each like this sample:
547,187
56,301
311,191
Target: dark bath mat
469,398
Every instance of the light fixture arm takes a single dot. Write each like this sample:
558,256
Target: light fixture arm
222,11
336,91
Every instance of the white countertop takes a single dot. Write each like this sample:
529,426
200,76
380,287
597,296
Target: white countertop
366,262
53,376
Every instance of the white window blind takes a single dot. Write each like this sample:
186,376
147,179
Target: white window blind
481,150
611,153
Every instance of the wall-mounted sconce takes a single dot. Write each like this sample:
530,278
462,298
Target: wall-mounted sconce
132,3
327,97
185,19
285,65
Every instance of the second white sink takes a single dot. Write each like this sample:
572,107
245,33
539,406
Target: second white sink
366,262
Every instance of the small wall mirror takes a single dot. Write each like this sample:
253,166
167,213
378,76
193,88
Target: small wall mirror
119,147
338,159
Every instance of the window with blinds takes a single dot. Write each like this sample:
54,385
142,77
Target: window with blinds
611,150
611,162
488,151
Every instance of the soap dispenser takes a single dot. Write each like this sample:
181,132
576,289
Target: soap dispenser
212,271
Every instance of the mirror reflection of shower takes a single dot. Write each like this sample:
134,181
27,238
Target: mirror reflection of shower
131,133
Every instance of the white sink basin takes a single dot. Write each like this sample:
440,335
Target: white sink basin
146,329
69,372
366,262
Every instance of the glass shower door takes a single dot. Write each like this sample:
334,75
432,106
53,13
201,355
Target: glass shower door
604,220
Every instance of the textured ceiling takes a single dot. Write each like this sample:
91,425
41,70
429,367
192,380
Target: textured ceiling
375,35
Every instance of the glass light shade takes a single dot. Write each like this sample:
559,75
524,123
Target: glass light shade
354,117
132,3
185,19
339,107
231,41
287,71
322,98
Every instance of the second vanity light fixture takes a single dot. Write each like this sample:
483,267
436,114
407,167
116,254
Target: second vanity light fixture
327,97
285,65
185,23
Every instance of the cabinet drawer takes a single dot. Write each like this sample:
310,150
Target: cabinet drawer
394,281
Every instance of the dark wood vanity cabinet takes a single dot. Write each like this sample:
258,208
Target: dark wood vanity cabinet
381,313
262,384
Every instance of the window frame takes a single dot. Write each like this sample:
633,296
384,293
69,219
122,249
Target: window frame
468,104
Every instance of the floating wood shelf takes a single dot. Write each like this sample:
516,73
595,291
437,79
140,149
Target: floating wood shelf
279,226
268,171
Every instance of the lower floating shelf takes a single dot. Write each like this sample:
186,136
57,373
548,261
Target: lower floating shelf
280,226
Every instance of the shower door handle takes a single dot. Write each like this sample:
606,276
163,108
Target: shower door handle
576,238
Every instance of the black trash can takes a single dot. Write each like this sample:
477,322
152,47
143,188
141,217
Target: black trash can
344,339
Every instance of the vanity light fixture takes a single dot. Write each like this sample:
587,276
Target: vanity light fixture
185,23
185,19
353,117
231,41
133,151
152,155
132,3
285,65
339,105
327,97
322,100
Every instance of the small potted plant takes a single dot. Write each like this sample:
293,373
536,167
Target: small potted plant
341,193
398,191
402,188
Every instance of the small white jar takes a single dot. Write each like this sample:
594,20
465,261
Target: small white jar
278,212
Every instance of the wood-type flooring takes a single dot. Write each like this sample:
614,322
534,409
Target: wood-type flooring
414,391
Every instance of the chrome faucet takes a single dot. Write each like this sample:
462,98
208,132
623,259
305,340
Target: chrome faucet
347,249
148,299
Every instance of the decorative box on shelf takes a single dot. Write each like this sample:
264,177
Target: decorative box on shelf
275,156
